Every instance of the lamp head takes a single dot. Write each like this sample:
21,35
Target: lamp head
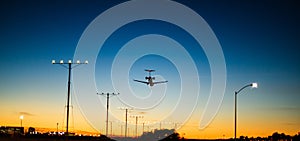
21,117
53,61
254,85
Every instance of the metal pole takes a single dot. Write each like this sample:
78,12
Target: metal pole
111,132
107,100
68,100
126,122
235,101
121,130
159,125
107,107
69,67
21,123
143,127
128,131
136,122
253,85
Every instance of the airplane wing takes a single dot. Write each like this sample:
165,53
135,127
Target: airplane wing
160,82
141,81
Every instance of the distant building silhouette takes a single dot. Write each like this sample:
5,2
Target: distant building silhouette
31,130
12,130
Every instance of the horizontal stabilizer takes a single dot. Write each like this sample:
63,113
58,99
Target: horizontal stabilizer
148,70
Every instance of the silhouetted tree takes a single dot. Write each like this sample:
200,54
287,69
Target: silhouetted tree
282,136
259,138
296,138
275,136
246,138
242,137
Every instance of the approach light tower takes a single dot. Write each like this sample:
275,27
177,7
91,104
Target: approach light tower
69,65
126,115
136,123
107,106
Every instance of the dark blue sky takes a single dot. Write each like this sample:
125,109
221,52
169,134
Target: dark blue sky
260,42
256,32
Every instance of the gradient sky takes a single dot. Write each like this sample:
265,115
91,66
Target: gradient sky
260,42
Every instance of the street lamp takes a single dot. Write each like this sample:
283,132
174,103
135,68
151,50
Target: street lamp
253,85
21,118
69,67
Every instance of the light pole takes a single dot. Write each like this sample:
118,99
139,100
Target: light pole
69,65
175,125
126,115
147,122
159,125
107,106
136,122
143,127
57,128
253,85
111,128
21,118
121,131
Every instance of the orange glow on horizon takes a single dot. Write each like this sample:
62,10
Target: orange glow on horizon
250,123
218,129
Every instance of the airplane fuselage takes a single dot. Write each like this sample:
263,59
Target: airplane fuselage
149,79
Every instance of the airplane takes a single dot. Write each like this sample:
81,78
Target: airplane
150,79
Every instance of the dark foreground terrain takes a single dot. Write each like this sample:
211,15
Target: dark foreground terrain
172,137
54,138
